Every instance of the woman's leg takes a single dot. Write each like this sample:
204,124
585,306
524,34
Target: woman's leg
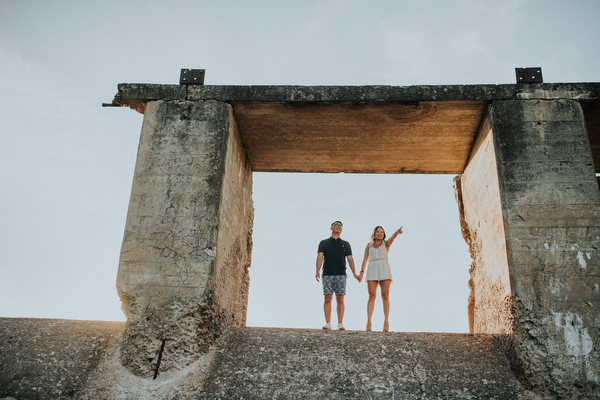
385,299
372,288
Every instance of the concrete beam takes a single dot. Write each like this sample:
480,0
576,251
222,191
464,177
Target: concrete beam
385,129
128,92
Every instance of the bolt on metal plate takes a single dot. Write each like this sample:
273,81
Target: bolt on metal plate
192,77
529,75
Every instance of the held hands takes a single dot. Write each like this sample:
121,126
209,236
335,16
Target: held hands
359,276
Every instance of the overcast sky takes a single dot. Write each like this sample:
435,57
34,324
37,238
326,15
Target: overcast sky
67,164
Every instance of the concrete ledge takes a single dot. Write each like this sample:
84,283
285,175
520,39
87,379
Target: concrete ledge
313,364
52,358
134,94
62,359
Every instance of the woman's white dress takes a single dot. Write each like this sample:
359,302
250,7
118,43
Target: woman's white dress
378,268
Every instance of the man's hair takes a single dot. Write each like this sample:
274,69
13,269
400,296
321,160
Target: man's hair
339,222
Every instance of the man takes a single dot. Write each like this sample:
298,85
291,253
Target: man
334,252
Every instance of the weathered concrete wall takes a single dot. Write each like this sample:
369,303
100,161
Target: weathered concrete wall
42,359
234,246
551,210
482,227
176,254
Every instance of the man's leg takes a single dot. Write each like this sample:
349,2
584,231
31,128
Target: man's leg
340,291
327,309
339,300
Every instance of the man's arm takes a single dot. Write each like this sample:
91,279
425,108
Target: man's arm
351,263
319,264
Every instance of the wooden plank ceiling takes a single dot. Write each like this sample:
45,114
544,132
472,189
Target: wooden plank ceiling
432,137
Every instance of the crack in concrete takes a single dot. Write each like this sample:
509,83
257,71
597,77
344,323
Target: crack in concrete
418,372
417,369
160,353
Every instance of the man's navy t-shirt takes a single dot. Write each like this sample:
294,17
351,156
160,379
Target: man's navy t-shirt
335,252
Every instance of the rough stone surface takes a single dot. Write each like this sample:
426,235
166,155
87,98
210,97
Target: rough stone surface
257,363
52,359
80,360
187,233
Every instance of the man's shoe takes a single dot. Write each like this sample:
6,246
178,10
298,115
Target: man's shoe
341,327
327,326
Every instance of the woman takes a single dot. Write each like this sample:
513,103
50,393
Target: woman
376,254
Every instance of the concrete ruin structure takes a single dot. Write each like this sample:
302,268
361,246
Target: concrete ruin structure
526,158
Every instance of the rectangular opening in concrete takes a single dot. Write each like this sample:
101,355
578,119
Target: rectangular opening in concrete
430,261
530,211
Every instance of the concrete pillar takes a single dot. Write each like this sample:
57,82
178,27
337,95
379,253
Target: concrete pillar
183,271
550,212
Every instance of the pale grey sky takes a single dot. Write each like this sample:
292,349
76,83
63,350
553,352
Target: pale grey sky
67,163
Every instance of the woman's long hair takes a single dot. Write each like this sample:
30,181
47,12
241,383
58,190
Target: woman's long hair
375,230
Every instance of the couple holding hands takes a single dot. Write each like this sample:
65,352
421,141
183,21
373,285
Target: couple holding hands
332,255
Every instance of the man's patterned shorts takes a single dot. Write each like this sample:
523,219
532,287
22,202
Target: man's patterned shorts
334,284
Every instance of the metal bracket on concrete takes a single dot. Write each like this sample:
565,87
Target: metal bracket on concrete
529,75
192,77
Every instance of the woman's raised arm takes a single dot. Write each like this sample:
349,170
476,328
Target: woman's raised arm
389,242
